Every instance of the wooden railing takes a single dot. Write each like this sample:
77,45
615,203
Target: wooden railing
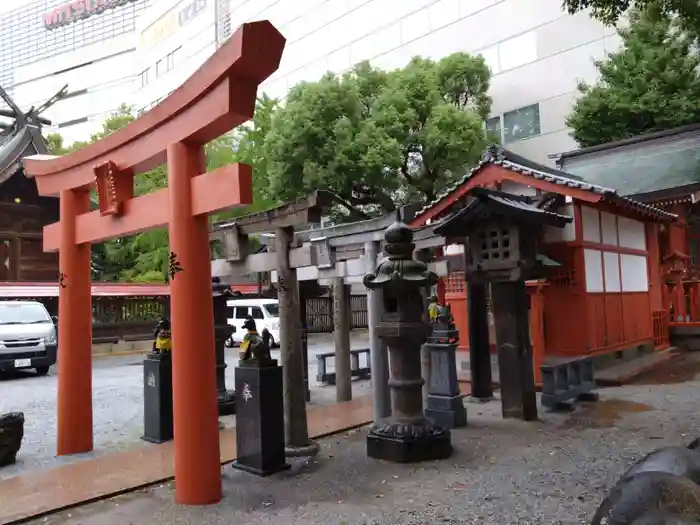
660,321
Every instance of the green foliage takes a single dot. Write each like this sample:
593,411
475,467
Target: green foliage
610,11
651,84
379,139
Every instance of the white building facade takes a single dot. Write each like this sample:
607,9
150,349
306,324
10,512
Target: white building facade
88,45
174,40
138,51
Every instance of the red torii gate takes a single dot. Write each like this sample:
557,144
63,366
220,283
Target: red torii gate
215,99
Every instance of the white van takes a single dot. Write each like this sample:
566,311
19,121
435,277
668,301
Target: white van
27,336
265,312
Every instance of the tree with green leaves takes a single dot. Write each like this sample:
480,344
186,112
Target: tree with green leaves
144,256
687,12
378,138
650,84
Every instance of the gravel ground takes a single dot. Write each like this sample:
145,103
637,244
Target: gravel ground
554,471
117,404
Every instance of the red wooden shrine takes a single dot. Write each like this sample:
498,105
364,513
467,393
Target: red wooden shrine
606,294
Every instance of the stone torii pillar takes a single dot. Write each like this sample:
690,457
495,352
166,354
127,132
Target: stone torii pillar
381,396
341,337
218,97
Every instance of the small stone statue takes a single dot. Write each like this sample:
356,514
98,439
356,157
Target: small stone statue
11,434
162,338
254,347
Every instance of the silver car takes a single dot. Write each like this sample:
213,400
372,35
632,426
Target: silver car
27,336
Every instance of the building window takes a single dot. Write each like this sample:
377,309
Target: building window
521,123
493,126
160,68
144,77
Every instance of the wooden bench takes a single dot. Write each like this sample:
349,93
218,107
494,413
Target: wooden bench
356,370
565,380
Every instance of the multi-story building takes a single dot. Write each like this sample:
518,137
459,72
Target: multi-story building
175,38
88,45
138,51
537,52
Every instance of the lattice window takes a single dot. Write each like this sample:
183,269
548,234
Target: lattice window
454,282
495,244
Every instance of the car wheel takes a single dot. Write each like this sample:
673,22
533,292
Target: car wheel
42,370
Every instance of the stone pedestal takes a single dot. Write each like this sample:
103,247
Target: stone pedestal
158,398
445,405
260,418
11,434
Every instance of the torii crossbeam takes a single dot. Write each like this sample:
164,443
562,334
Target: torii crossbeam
218,97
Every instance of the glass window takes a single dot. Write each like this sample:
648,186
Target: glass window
273,310
23,313
493,126
241,312
160,68
256,312
169,60
521,123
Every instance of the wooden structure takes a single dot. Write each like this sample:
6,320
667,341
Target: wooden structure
219,96
23,212
606,270
661,169
502,233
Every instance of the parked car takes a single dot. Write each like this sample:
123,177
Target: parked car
27,336
266,313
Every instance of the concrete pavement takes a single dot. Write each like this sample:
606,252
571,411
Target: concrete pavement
118,403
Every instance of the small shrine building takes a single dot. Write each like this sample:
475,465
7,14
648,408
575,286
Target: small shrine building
661,169
603,290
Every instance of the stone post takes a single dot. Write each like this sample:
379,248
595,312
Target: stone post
381,399
407,435
296,429
341,338
226,399
479,345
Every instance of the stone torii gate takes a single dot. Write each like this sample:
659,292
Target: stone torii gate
340,256
218,97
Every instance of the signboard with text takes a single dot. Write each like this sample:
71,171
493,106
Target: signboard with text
171,21
79,10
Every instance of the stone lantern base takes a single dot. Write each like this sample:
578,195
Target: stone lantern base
408,442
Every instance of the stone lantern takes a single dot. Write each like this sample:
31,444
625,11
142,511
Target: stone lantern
502,234
407,435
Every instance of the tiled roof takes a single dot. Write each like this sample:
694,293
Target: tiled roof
518,164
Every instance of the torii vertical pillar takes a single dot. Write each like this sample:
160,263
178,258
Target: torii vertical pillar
75,433
381,397
341,338
195,411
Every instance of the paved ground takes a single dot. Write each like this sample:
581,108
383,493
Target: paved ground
554,471
117,404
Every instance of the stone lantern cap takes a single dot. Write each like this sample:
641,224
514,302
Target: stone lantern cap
399,269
